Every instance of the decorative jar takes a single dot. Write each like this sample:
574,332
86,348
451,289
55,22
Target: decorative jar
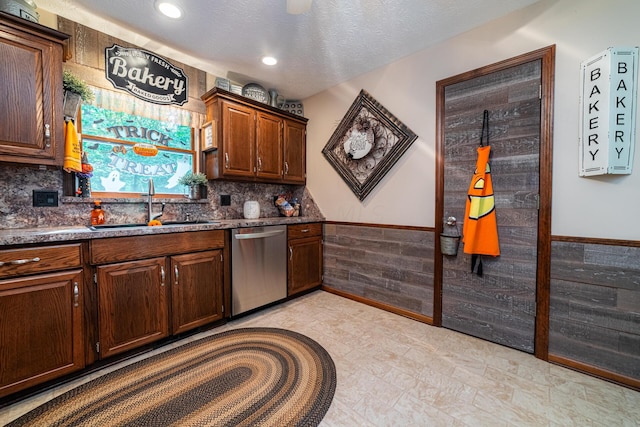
251,209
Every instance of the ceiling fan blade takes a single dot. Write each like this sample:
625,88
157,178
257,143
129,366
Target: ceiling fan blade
296,7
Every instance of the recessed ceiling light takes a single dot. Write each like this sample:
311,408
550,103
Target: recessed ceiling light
269,60
296,7
169,9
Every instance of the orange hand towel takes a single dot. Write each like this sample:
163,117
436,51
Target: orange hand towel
72,153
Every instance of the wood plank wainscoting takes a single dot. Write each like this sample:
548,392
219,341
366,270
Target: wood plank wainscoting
594,316
385,266
594,310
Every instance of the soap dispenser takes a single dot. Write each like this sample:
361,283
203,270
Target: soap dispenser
97,214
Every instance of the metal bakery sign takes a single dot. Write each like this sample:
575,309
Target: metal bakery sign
145,75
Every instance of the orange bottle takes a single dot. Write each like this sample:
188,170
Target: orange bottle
97,214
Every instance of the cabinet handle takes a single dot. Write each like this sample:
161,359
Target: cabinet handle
175,270
161,276
259,164
226,160
20,261
76,294
286,168
47,135
290,253
306,230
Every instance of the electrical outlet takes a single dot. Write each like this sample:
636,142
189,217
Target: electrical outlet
225,200
45,198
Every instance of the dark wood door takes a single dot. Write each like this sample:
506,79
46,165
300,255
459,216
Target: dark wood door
41,329
501,305
269,146
132,304
196,289
31,88
238,140
305,264
294,152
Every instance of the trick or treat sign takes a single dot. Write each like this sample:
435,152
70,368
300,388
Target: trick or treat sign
145,75
608,83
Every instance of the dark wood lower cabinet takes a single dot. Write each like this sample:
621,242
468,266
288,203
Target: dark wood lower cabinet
140,289
196,289
132,305
41,329
153,286
305,257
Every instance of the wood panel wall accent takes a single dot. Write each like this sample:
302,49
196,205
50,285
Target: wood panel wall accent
594,312
390,267
87,46
533,306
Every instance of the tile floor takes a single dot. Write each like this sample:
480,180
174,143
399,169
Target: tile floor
393,371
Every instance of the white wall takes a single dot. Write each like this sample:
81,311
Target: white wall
606,206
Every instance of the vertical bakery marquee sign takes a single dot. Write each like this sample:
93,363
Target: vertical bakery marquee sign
145,75
608,84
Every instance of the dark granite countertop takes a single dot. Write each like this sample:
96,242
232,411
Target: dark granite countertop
21,236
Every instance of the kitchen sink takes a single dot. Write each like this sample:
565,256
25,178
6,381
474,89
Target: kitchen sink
140,224
190,222
108,226
63,230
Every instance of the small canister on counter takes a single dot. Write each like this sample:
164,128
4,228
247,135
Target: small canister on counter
251,209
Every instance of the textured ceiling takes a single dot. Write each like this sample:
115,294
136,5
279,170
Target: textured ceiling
333,42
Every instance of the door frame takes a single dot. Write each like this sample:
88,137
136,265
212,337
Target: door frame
547,56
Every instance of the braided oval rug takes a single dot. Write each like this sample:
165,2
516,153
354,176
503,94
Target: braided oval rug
243,377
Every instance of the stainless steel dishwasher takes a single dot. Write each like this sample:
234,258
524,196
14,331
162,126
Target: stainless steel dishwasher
258,267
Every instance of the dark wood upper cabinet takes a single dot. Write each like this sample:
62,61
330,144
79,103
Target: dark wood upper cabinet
31,120
295,152
255,142
238,140
269,146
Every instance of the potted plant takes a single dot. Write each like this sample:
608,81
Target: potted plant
75,91
194,181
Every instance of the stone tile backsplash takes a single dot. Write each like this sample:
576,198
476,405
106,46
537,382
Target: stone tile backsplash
17,211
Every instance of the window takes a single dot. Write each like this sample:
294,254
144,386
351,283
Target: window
120,146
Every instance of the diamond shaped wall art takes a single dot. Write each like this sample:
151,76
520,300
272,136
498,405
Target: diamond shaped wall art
366,144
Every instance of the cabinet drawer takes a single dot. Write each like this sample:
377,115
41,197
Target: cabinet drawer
118,249
16,262
304,230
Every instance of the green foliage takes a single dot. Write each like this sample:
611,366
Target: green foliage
191,178
73,84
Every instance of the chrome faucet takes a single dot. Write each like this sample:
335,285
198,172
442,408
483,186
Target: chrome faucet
152,191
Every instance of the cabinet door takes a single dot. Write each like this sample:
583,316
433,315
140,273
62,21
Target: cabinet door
238,140
294,153
305,264
269,146
132,304
196,289
41,329
31,107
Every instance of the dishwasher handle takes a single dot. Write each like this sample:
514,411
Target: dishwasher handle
260,235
